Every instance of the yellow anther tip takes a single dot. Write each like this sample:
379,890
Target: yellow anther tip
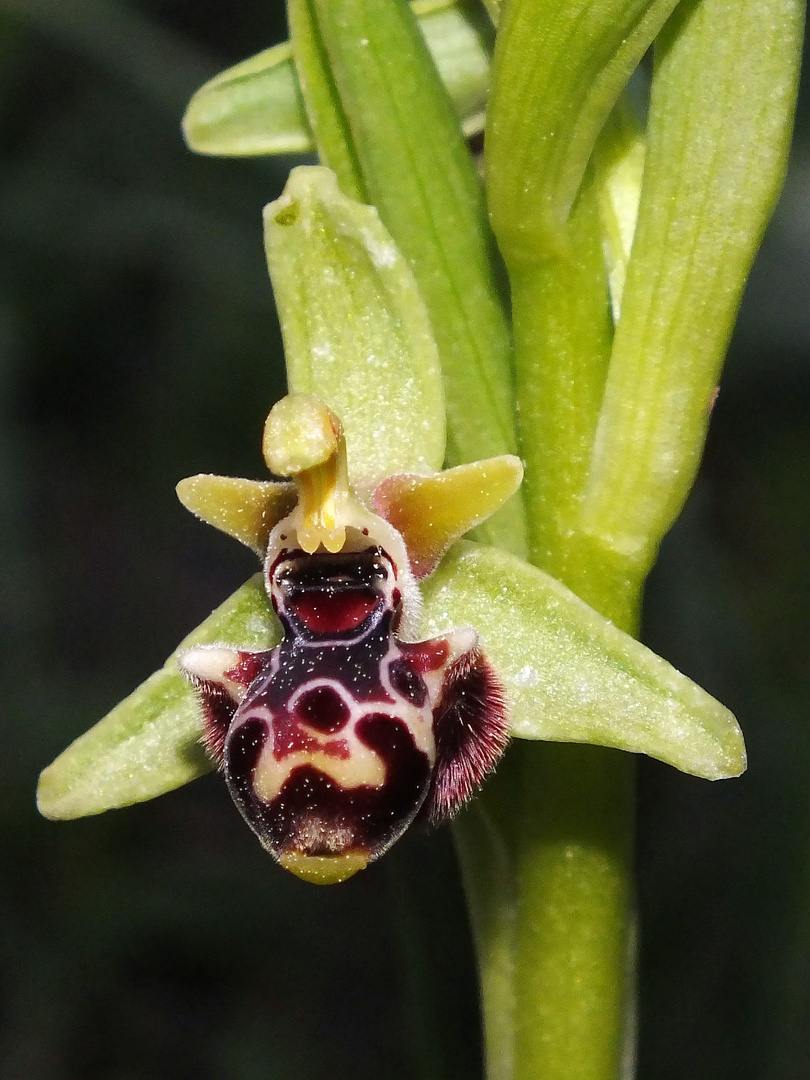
323,869
299,434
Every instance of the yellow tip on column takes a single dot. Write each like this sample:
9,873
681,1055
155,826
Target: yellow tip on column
300,433
304,439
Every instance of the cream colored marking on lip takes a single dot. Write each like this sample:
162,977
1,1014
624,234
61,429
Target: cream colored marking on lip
209,663
362,767
419,721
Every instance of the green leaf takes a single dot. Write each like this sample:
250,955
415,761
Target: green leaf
255,106
719,126
150,743
570,674
559,68
356,332
327,117
369,81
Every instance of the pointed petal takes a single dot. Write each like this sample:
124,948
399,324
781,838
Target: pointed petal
432,512
150,743
570,674
244,509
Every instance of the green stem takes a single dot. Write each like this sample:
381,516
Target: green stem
482,833
574,862
571,843
552,906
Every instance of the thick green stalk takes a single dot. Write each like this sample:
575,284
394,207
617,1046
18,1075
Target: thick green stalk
572,846
574,873
482,835
561,312
719,123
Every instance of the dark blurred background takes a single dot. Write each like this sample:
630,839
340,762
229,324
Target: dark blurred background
138,344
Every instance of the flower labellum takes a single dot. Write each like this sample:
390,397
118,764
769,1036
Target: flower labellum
336,740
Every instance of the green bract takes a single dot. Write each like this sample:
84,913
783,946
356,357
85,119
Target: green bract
255,107
560,66
382,119
722,98
618,161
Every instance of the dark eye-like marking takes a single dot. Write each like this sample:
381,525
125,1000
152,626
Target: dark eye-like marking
407,683
323,708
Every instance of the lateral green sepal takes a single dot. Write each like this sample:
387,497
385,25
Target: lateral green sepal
570,674
150,743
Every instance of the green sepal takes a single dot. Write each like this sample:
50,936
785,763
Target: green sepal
356,331
255,106
570,674
150,743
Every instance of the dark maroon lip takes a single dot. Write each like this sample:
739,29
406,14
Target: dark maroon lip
367,569
334,611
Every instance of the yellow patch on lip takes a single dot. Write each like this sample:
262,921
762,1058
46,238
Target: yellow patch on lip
323,869
362,767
